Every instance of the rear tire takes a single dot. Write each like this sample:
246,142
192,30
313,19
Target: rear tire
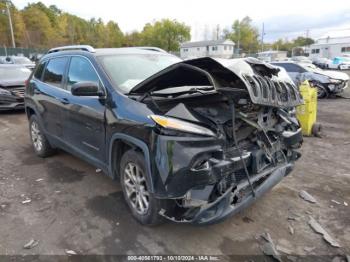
143,205
40,143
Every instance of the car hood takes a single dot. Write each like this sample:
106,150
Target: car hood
11,82
260,79
334,74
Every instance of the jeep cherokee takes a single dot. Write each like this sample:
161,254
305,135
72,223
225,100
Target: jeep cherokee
192,141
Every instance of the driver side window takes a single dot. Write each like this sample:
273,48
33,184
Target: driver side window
80,70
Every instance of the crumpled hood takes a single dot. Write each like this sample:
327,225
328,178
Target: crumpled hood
264,83
334,75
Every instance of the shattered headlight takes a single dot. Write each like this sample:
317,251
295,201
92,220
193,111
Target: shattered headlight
335,81
4,92
176,124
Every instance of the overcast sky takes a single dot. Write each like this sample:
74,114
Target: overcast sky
282,19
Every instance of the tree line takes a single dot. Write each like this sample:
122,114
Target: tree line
41,26
244,33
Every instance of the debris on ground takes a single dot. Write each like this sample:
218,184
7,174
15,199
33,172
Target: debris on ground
284,250
295,218
247,219
291,230
309,212
309,249
345,204
98,170
319,229
335,201
43,208
339,259
26,201
269,248
39,179
32,243
70,252
307,197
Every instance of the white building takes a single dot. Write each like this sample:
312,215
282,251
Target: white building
336,43
213,48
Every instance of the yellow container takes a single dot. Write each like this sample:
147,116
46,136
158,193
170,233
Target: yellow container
307,112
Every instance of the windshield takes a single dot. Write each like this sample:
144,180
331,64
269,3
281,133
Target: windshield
311,68
14,73
126,71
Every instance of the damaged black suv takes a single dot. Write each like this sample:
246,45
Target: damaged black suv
191,141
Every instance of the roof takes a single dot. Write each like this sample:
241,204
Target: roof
333,38
207,43
108,51
336,34
271,52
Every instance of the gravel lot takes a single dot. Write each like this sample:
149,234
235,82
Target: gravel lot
76,208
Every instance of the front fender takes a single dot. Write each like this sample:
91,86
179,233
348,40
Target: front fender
138,143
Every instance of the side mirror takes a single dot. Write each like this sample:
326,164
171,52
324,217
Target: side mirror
86,89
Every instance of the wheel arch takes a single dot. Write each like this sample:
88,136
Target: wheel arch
118,145
30,111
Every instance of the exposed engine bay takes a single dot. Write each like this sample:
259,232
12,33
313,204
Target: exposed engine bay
249,108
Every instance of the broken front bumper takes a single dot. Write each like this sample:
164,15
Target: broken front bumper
224,207
10,102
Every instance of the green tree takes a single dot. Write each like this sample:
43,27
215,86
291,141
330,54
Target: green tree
245,34
166,34
39,28
303,41
114,36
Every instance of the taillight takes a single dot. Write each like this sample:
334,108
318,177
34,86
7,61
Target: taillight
26,83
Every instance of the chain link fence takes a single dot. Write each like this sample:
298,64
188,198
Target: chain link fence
27,52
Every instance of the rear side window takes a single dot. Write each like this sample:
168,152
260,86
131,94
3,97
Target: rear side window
55,70
80,70
39,70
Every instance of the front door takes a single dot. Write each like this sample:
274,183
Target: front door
84,117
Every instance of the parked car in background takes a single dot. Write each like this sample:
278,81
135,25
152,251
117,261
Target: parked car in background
12,83
303,59
321,62
192,141
340,63
18,60
327,82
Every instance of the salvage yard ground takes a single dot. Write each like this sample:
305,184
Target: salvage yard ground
64,204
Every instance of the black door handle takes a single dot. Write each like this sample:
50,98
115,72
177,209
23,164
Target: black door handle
64,101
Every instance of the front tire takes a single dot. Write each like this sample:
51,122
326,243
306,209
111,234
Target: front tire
40,143
322,91
143,205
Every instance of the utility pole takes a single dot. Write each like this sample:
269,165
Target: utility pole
239,38
10,23
217,31
262,38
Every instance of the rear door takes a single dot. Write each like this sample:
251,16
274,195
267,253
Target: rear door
50,95
84,117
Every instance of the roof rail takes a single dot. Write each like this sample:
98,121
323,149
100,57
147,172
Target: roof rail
87,48
152,48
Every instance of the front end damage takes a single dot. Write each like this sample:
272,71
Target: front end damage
252,145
